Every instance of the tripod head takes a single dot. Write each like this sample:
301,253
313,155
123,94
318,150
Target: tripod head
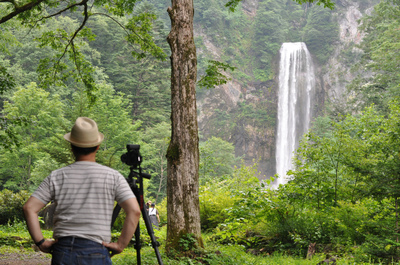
135,179
132,157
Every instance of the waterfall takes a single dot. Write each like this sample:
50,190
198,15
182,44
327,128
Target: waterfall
295,95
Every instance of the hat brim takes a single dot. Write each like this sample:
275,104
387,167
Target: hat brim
84,145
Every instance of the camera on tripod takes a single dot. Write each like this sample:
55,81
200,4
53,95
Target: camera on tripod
132,157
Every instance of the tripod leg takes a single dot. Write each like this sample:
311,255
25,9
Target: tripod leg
138,245
150,231
116,211
138,191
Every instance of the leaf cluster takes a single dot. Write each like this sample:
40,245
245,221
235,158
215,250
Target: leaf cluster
378,80
213,76
11,205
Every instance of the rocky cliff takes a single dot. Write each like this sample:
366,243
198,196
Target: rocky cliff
236,106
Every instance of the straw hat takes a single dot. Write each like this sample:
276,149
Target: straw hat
84,133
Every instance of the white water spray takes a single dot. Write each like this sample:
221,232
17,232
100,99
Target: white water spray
296,91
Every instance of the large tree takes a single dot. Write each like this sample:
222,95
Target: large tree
183,152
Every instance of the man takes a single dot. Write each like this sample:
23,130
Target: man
154,216
84,193
148,204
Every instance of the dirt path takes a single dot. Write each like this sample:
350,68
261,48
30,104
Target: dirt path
24,258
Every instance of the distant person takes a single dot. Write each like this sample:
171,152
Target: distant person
148,205
84,193
154,216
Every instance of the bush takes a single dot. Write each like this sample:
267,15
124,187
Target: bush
11,205
214,199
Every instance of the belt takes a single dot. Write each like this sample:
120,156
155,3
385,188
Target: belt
74,239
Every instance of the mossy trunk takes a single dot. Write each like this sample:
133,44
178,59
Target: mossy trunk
183,151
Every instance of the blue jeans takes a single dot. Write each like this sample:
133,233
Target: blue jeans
79,251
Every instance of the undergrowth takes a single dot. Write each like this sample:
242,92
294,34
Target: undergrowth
14,238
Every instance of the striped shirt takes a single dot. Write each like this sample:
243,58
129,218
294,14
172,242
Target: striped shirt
85,193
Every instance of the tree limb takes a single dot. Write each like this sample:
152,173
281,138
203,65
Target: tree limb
19,10
122,26
116,21
83,3
71,41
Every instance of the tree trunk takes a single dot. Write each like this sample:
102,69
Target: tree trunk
183,151
160,184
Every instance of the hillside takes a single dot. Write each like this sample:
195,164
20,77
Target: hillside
244,110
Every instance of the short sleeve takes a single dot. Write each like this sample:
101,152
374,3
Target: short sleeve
43,192
123,190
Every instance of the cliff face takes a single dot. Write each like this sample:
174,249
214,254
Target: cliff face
232,103
338,73
253,141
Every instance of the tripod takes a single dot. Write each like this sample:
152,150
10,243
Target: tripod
135,180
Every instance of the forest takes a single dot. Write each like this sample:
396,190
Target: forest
342,201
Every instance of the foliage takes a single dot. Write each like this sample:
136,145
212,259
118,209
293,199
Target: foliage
157,139
8,136
214,199
261,116
239,195
378,81
320,33
351,174
213,76
11,205
232,4
217,159
69,60
16,242
6,80
270,32
146,80
343,196
39,137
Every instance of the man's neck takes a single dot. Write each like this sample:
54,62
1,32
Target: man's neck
87,158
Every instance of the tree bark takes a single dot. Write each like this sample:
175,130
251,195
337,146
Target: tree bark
183,151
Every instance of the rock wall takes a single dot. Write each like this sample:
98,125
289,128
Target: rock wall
338,73
256,142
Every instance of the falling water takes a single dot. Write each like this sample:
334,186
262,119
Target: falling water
296,89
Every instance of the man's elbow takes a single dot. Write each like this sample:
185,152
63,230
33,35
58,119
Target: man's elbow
137,213
136,210
132,209
27,208
32,206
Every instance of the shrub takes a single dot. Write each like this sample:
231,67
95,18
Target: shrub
11,205
214,199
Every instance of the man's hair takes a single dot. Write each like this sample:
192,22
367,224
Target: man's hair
83,150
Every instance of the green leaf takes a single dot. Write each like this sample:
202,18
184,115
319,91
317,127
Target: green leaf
214,76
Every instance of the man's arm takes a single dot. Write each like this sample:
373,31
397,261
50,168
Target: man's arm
132,210
31,209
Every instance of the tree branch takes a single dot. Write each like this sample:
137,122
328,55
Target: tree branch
71,41
83,3
19,10
122,26
113,19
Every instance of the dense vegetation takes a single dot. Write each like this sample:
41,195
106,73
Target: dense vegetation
345,188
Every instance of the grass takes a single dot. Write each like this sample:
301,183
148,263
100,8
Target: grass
14,238
234,255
